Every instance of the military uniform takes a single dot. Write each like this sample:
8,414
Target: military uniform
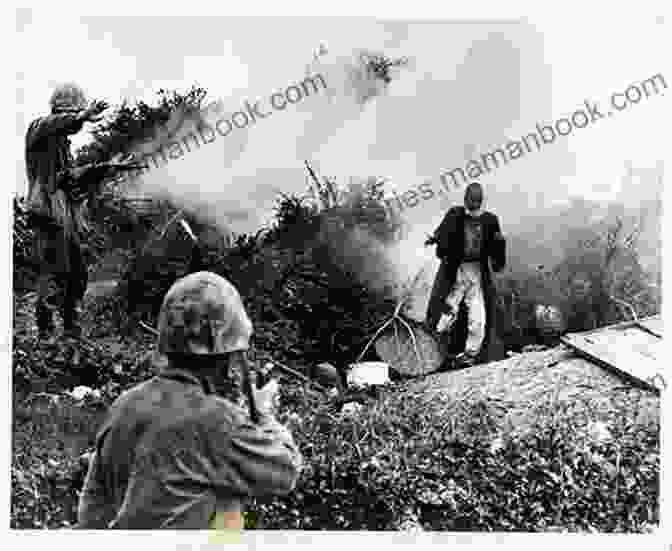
58,220
171,453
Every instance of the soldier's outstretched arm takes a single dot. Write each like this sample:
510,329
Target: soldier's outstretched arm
69,122
54,125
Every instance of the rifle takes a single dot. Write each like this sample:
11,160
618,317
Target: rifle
82,180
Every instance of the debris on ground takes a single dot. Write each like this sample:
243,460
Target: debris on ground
364,374
352,408
81,392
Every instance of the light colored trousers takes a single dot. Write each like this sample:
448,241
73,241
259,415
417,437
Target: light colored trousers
468,288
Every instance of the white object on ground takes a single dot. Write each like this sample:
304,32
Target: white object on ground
496,445
80,392
368,373
599,431
351,408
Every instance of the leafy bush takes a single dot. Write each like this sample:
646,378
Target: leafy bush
50,434
22,242
591,285
457,469
454,465
134,122
305,276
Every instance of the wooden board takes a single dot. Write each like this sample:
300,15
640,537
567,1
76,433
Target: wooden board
633,352
653,324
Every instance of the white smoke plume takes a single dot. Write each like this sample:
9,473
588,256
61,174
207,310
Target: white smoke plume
467,90
231,180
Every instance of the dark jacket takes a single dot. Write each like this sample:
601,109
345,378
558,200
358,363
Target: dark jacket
170,454
449,237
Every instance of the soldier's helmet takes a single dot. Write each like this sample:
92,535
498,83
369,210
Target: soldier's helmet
202,314
68,97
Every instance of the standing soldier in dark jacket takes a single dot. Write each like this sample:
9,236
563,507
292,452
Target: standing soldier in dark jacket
56,213
468,241
171,453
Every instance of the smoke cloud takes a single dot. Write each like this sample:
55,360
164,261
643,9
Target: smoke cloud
466,89
234,180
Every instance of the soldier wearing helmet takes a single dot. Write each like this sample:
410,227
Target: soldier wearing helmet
171,453
57,217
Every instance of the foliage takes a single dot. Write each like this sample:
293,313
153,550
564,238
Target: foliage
590,285
50,434
456,465
24,269
134,122
365,471
301,276
380,65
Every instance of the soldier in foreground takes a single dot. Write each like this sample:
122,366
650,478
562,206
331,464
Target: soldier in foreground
171,454
470,245
56,210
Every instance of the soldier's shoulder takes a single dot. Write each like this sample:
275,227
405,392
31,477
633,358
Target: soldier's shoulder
33,126
134,393
221,412
37,120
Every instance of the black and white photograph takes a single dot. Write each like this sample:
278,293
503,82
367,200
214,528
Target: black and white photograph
338,273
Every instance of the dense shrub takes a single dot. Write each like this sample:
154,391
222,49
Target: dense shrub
457,469
50,434
590,285
22,243
304,279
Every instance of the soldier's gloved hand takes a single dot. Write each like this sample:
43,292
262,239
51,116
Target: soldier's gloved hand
431,240
265,398
443,323
95,109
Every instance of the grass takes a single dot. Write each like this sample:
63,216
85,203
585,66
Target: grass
404,457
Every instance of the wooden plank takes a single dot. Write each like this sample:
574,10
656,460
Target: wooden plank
653,325
634,359
607,366
622,349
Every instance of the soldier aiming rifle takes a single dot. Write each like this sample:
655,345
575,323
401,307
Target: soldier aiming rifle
174,454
